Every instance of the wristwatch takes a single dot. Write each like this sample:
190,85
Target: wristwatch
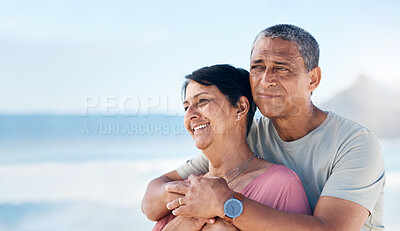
233,207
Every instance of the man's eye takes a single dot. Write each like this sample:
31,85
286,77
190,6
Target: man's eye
185,108
278,68
255,67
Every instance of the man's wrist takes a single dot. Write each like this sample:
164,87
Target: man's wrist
227,196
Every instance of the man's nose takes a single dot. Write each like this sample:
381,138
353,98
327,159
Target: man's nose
268,78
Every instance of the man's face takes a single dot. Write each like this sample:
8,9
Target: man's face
278,78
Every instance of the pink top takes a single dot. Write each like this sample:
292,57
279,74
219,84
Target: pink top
278,187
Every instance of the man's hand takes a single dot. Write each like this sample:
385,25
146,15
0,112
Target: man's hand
171,196
204,197
219,225
156,197
184,223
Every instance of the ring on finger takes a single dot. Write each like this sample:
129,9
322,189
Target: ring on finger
179,200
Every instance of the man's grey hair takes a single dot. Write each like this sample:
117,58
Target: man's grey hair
305,42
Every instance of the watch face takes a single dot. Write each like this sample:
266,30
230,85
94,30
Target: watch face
233,208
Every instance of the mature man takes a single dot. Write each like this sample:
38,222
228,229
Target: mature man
339,161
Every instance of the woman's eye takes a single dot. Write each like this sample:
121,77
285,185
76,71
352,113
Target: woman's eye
203,101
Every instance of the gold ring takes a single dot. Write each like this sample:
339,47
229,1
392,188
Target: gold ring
179,200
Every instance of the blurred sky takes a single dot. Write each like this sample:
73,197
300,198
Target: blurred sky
67,56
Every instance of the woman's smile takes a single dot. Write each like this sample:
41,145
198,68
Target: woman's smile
200,127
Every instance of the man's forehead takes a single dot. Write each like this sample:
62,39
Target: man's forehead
275,47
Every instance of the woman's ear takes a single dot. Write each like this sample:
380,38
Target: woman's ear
242,106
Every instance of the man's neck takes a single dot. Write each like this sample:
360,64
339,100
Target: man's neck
296,127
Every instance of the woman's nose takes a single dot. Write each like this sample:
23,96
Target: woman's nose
191,113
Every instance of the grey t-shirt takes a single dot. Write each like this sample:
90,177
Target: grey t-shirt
340,158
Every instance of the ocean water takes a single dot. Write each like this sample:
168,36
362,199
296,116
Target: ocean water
90,173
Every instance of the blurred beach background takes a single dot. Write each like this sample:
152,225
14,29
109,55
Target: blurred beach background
90,107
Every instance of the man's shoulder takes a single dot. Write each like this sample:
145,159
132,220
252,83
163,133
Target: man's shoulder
334,124
352,138
335,131
347,128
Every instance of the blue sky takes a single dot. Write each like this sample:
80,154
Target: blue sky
131,56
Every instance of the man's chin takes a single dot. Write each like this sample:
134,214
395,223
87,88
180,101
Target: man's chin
272,112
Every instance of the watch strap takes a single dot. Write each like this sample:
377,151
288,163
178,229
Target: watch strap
238,196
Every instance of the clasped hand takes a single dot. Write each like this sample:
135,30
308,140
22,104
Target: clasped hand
203,197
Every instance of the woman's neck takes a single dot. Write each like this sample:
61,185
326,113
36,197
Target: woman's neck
227,156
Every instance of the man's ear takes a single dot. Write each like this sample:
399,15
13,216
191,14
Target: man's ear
315,78
242,106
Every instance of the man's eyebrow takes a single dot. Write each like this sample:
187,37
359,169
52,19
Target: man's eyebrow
283,63
256,61
195,96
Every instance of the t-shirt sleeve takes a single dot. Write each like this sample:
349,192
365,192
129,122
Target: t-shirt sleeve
358,173
197,166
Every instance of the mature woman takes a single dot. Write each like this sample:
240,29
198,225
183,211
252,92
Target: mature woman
219,112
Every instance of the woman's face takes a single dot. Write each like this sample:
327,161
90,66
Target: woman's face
209,118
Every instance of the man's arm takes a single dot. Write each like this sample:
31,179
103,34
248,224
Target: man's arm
156,197
330,213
